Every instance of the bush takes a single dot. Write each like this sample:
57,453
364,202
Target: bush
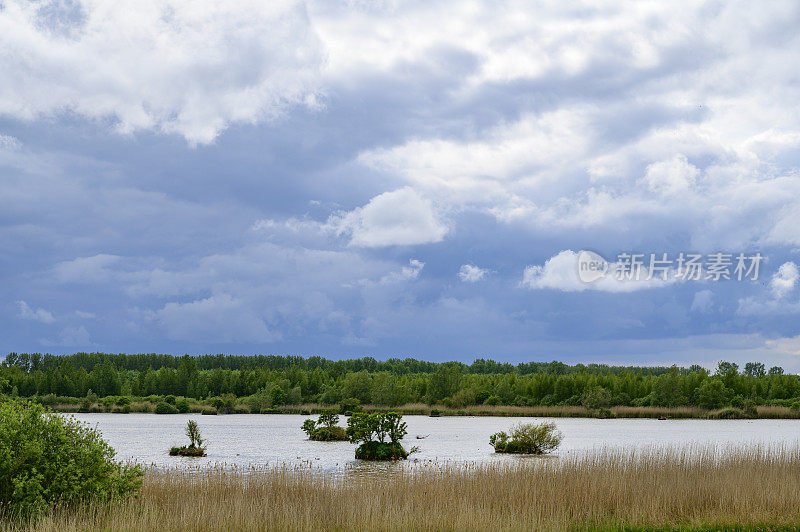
209,412
596,397
195,447
348,406
165,408
529,438
325,428
183,406
169,399
372,430
492,400
47,459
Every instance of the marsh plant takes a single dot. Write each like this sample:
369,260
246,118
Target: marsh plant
195,447
527,438
325,428
378,435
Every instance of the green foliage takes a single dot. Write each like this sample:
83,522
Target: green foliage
183,406
711,393
309,426
195,447
374,450
348,406
47,459
328,419
165,408
528,438
325,428
193,432
596,397
371,432
264,383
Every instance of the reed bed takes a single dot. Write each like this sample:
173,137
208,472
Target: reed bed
606,489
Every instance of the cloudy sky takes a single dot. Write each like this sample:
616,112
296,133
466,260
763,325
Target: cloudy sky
397,178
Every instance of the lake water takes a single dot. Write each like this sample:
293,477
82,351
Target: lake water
271,440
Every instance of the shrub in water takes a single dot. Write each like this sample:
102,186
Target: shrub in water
325,428
528,438
195,447
47,459
371,431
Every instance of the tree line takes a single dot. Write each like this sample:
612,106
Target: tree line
282,380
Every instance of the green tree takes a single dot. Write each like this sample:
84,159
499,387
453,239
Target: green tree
193,432
711,393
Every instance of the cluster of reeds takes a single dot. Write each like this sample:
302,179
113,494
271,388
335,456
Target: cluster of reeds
606,489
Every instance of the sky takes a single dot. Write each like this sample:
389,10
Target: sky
396,179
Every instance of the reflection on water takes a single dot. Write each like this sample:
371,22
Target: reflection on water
273,440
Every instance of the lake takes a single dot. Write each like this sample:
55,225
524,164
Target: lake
271,440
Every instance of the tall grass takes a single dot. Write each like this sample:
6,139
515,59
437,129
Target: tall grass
602,490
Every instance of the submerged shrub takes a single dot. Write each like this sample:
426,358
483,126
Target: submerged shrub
47,459
528,438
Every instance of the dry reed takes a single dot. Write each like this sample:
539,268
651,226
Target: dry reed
607,489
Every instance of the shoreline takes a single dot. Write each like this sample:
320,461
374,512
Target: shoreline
614,412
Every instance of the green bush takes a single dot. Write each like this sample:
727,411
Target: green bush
47,459
165,408
348,406
169,399
325,428
372,431
195,447
209,412
529,438
183,406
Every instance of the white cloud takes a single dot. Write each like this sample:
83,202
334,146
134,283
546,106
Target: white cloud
703,301
27,313
670,177
218,319
86,269
397,218
560,272
784,280
75,336
469,273
8,142
406,273
165,65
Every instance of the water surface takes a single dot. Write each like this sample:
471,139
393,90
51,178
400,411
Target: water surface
269,440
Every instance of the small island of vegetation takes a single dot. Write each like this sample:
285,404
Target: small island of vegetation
325,428
372,432
195,447
527,438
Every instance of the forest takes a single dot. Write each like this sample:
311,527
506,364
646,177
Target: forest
291,380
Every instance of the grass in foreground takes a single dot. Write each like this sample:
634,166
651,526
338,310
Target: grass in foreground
745,489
